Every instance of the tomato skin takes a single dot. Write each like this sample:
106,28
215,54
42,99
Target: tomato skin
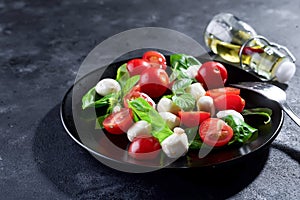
155,59
144,148
119,122
193,118
136,94
212,75
230,101
137,66
214,93
154,82
215,132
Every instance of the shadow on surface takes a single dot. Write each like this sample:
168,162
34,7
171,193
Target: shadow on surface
293,153
78,174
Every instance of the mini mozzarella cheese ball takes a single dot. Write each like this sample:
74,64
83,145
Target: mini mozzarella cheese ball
107,86
192,71
196,90
140,128
206,103
175,145
225,113
171,120
167,105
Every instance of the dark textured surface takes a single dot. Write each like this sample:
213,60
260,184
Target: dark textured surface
42,44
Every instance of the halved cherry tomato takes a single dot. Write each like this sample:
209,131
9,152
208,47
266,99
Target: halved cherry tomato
135,94
137,66
144,148
155,59
119,122
154,82
230,101
212,75
215,132
214,93
193,118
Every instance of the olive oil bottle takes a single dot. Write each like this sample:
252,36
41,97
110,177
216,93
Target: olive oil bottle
237,42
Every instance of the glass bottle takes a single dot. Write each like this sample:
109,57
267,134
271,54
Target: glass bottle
237,42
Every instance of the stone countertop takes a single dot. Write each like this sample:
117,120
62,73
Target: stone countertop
42,46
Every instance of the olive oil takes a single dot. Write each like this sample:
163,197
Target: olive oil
226,36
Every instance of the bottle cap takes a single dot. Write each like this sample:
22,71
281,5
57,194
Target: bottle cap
285,71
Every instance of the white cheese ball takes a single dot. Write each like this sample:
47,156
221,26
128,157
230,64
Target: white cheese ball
140,128
171,120
167,105
206,103
193,70
175,145
225,113
107,86
196,90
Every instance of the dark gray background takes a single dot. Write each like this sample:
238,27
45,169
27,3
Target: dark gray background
42,44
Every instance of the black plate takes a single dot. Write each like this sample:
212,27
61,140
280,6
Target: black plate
109,149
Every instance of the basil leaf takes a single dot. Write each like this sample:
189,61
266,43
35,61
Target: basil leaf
185,101
183,61
130,83
242,131
146,112
99,121
88,99
180,85
122,75
264,112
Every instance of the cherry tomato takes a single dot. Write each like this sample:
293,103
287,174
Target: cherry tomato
214,93
137,66
119,122
154,82
215,132
144,148
193,118
155,59
212,75
229,101
136,94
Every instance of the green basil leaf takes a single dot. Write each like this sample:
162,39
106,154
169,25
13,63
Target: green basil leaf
264,112
88,99
185,101
242,131
183,61
130,83
178,61
190,60
122,75
180,85
99,121
146,112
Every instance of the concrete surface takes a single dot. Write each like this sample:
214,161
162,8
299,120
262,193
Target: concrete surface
42,44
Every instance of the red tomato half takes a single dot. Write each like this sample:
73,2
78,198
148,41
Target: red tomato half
137,66
119,122
193,118
212,75
144,148
154,82
230,101
214,93
155,59
215,132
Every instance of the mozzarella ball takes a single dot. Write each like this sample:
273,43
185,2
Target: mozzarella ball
140,128
206,103
170,119
167,105
107,86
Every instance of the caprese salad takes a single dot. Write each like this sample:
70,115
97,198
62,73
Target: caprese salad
172,109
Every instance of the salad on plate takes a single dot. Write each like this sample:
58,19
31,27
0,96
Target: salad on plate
173,109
